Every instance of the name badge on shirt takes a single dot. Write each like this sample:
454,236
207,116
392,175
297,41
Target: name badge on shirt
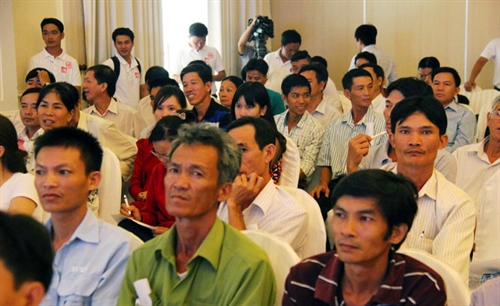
137,74
69,65
64,69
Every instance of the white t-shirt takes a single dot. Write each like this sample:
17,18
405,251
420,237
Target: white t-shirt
18,185
64,67
128,89
492,51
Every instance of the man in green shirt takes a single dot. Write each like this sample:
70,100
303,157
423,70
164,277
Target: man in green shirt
200,260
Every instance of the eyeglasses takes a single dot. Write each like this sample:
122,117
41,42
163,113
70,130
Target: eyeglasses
159,155
495,114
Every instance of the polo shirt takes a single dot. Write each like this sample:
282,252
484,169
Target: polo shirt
216,114
278,70
64,67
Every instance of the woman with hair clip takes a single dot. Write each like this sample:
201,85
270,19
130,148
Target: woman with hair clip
153,212
17,188
167,102
251,99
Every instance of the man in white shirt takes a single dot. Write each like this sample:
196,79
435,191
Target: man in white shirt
279,62
255,202
446,217
130,84
366,38
53,58
491,51
31,131
99,88
322,107
198,50
479,175
378,100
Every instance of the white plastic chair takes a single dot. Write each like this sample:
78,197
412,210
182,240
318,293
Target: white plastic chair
281,255
346,103
478,97
110,187
457,292
290,165
481,120
316,234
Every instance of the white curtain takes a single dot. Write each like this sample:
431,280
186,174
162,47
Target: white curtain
143,17
234,17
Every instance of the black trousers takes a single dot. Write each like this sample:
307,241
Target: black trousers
142,232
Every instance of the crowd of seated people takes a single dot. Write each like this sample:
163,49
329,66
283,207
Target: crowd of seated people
202,168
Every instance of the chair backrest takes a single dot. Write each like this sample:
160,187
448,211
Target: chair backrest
110,187
346,103
290,165
485,109
478,97
316,235
281,255
457,292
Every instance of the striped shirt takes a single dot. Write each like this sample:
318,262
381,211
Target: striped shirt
308,135
461,126
327,111
333,152
316,281
444,224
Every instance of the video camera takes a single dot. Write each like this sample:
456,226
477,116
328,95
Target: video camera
263,26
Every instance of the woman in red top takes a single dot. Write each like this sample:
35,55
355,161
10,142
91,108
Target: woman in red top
154,212
168,100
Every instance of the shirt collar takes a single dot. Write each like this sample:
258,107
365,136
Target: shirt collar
87,230
368,117
453,105
209,249
321,108
430,187
82,122
133,62
263,199
47,54
24,136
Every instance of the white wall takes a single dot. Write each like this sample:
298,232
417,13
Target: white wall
8,86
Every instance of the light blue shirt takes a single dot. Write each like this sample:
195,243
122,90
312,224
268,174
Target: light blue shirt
90,266
461,126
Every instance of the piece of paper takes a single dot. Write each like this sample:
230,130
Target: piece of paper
143,289
120,217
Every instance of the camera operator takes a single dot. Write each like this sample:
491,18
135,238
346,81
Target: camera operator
246,45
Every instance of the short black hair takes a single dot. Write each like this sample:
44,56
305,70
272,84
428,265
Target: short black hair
168,91
300,55
67,93
294,80
53,21
34,73
71,137
349,77
320,70
264,133
379,72
429,62
26,249
257,64
319,60
198,29
161,81
427,105
30,91
370,57
453,72
13,157
203,70
253,93
290,37
167,127
104,74
410,86
396,196
155,72
123,31
367,33
233,79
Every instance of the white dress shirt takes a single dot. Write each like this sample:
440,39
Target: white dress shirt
64,67
278,70
275,211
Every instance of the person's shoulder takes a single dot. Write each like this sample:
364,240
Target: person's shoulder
126,108
312,265
416,272
111,234
452,193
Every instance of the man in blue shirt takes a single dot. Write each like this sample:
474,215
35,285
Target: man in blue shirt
90,255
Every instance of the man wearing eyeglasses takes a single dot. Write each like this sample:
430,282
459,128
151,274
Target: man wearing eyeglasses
479,176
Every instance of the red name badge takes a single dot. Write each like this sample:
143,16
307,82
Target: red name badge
64,69
69,65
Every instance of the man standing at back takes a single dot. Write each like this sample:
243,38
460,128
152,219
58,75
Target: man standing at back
279,62
53,58
366,38
130,84
198,50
